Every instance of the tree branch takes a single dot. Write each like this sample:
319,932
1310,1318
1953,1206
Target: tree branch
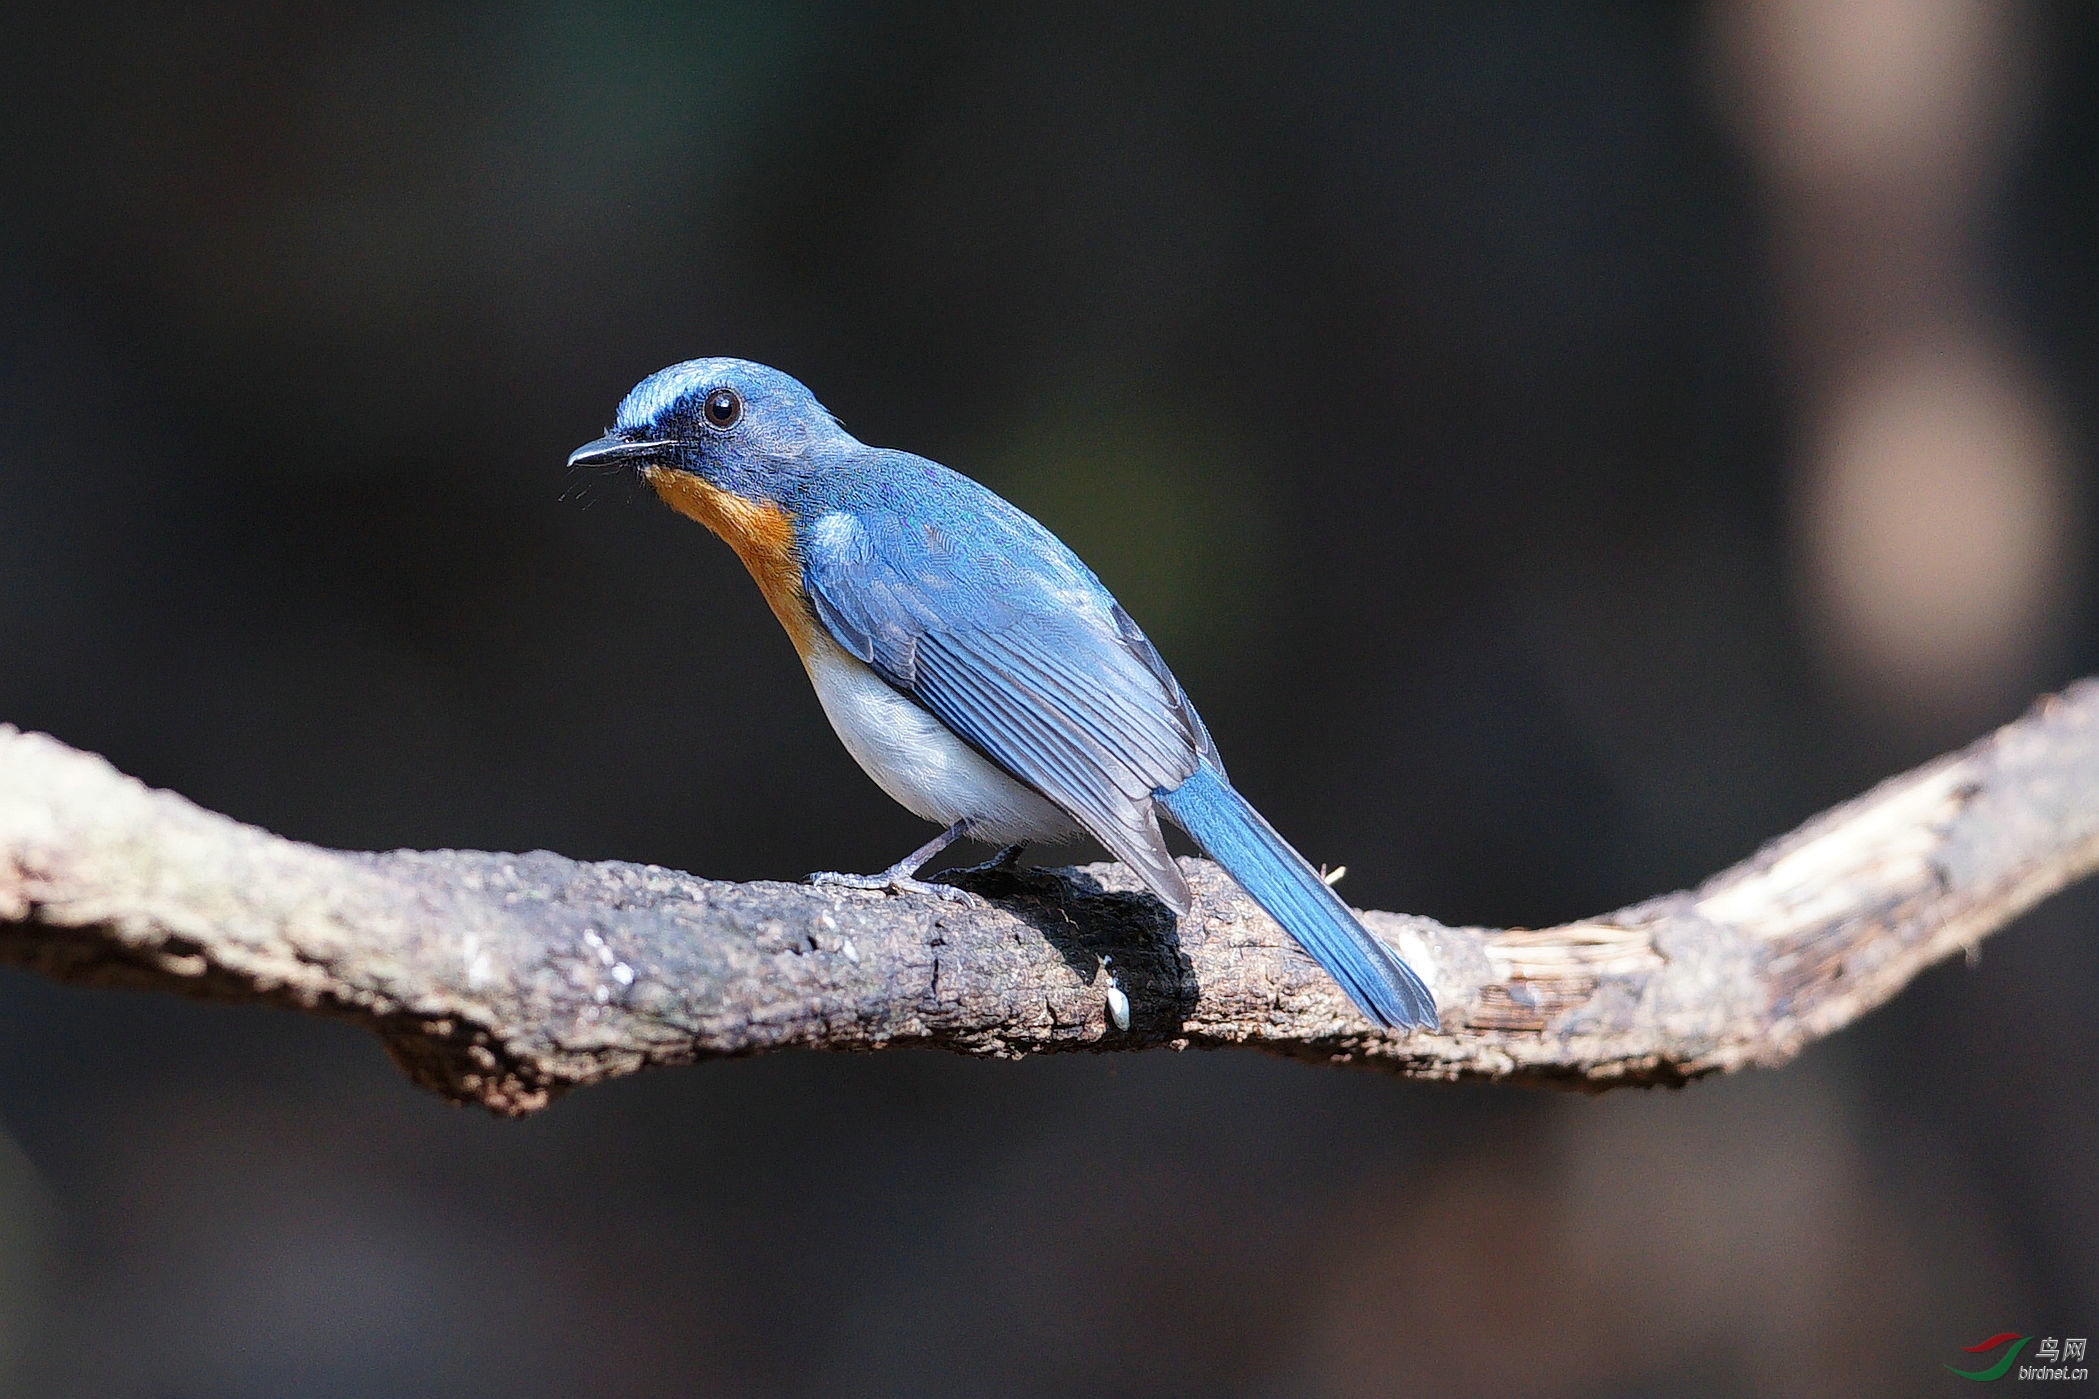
507,979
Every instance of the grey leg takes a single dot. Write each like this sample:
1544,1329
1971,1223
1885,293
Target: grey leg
899,877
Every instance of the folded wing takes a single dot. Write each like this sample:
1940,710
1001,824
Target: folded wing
984,618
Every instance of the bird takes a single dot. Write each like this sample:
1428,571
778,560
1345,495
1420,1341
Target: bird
970,663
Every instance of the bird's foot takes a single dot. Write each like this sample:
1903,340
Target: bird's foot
894,882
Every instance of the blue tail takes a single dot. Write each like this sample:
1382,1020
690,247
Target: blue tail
1238,837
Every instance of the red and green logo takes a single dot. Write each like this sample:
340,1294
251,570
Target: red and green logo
1997,1371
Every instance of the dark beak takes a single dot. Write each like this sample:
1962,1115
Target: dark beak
615,450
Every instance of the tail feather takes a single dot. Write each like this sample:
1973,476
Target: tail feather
1238,837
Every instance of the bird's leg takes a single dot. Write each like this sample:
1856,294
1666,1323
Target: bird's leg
901,877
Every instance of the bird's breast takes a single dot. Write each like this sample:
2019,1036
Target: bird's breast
918,760
761,533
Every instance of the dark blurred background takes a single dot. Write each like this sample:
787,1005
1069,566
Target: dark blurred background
1560,447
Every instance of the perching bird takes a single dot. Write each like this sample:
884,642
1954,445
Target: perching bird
972,665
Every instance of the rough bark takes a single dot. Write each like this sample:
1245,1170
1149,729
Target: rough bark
507,979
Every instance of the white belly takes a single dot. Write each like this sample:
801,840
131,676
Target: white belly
918,761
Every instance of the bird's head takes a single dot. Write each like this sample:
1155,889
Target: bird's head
739,427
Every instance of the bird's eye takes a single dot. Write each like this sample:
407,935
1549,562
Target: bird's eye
723,408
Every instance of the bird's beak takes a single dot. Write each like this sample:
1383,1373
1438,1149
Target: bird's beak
615,450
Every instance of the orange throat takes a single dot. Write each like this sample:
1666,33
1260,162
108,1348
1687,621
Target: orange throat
761,534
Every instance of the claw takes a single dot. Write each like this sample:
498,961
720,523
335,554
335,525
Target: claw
892,883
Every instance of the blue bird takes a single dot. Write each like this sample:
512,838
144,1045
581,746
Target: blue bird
971,664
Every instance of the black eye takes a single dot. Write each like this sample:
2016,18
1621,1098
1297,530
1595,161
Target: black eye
723,408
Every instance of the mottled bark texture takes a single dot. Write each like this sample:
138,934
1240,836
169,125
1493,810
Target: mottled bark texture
507,979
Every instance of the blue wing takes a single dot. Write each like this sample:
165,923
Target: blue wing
980,615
